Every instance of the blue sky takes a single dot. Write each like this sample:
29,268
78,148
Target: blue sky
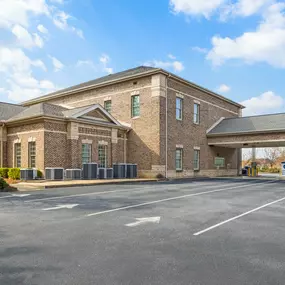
236,48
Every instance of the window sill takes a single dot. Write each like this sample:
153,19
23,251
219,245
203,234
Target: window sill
136,117
197,169
197,124
179,119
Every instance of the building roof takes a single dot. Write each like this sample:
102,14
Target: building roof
41,109
8,110
119,76
253,124
50,110
111,77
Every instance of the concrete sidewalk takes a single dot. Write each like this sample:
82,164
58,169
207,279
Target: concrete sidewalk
44,184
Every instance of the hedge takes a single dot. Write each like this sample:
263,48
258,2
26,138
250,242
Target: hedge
4,172
3,184
14,173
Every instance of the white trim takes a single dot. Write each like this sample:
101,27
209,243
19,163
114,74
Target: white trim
137,92
197,102
175,90
17,141
215,124
86,141
35,131
179,95
95,119
103,143
136,117
31,139
107,99
246,142
197,148
179,146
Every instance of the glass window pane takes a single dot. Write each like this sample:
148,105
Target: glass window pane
196,159
196,113
179,103
86,153
135,106
17,149
32,154
108,106
102,156
178,159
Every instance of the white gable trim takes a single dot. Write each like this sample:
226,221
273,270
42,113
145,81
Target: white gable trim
95,107
213,126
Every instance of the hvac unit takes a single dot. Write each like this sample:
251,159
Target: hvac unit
90,171
54,173
28,174
105,173
73,174
132,170
120,170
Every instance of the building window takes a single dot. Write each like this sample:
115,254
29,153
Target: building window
135,106
196,113
219,162
179,159
108,106
196,159
86,153
17,151
102,155
32,154
179,105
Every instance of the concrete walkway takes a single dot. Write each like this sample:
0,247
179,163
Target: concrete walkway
44,184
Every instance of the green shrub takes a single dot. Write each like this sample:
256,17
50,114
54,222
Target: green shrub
3,184
39,174
4,172
14,173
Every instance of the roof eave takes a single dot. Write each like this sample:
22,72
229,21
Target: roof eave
245,133
126,78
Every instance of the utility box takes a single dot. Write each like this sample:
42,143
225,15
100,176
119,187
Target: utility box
283,168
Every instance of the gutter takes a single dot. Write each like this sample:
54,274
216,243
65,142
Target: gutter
2,145
245,133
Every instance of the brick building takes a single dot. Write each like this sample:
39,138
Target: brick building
143,115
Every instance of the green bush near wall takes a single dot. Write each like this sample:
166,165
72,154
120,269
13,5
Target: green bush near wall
4,172
39,174
3,184
14,173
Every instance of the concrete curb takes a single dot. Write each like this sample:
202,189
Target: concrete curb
38,186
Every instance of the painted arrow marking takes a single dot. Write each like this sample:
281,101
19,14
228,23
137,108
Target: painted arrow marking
20,195
141,221
66,206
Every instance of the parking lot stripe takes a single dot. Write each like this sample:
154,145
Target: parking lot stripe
170,199
112,191
239,216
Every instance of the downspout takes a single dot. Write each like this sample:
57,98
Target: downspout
166,128
2,146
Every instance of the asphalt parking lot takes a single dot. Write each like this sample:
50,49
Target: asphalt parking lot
203,232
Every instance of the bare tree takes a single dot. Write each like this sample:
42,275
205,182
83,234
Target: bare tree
272,154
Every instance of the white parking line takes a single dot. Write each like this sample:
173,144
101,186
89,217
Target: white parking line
118,191
170,199
239,216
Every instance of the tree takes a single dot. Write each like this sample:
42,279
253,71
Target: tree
272,154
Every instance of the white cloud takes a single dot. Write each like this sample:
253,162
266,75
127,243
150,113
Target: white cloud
57,64
84,63
199,49
224,88
266,44
196,7
25,39
17,69
171,56
246,8
42,29
176,65
17,11
267,102
57,1
60,19
105,60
